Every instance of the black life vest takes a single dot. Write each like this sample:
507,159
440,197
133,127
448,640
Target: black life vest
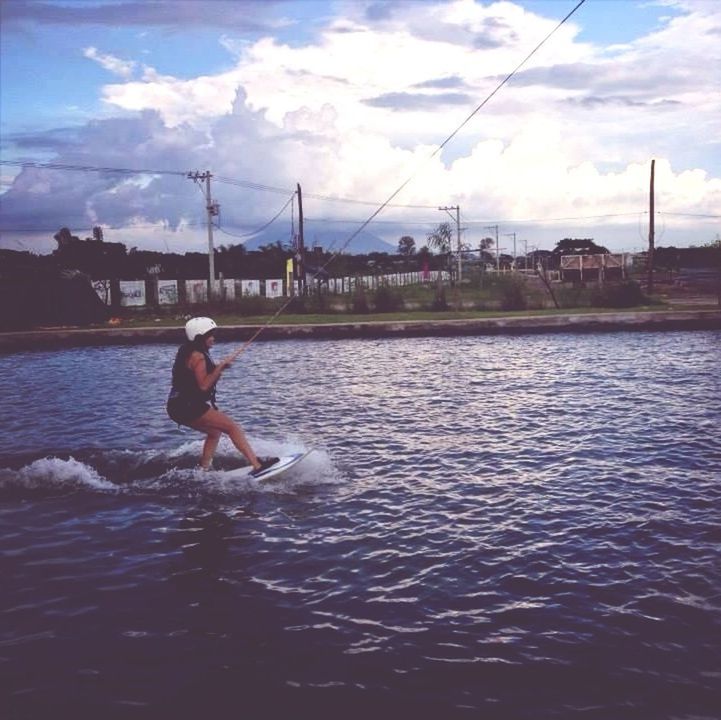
184,384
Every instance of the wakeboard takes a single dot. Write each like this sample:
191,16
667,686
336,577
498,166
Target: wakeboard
285,462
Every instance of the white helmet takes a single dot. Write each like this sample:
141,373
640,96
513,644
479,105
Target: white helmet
199,326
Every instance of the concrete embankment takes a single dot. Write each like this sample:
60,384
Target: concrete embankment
53,338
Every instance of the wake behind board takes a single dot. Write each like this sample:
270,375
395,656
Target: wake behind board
285,462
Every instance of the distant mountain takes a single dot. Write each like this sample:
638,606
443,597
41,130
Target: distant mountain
330,240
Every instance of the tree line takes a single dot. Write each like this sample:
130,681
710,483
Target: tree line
113,260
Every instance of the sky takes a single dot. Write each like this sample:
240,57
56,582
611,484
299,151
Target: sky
379,109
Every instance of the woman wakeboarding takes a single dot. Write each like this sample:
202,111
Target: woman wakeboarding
191,401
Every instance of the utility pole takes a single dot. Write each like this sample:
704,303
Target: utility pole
651,230
212,210
458,235
300,256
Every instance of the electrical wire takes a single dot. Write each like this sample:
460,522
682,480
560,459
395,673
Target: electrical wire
262,227
185,223
248,184
332,198
251,185
696,215
502,221
89,168
398,223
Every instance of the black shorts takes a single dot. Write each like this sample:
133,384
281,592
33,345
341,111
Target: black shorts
184,411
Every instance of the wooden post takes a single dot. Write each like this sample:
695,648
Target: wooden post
651,230
211,251
301,243
211,209
542,274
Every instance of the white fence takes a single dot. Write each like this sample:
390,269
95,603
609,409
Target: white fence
136,293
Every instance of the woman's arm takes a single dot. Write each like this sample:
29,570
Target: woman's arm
205,380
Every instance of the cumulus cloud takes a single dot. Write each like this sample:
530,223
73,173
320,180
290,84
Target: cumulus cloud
162,199
57,140
123,68
177,100
247,15
571,135
475,25
445,83
417,101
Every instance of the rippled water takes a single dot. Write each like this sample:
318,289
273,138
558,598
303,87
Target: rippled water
522,527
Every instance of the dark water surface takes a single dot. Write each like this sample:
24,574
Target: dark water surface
521,527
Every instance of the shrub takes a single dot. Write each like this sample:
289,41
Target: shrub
618,295
571,296
297,305
439,299
360,301
316,303
513,294
386,299
251,305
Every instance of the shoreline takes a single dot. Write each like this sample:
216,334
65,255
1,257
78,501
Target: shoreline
671,320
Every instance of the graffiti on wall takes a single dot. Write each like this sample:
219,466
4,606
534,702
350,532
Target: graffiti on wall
102,288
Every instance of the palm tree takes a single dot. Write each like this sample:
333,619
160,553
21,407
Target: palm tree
440,239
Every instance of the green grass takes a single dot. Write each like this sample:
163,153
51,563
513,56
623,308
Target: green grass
226,319
481,300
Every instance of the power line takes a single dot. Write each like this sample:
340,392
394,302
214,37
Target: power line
263,227
697,215
55,228
504,221
511,221
248,184
315,196
252,185
89,168
350,220
373,203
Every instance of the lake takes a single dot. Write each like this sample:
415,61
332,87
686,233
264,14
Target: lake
490,527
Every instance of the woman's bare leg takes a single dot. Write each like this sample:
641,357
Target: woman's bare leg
209,447
214,422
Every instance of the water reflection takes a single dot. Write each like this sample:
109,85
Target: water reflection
207,538
486,514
